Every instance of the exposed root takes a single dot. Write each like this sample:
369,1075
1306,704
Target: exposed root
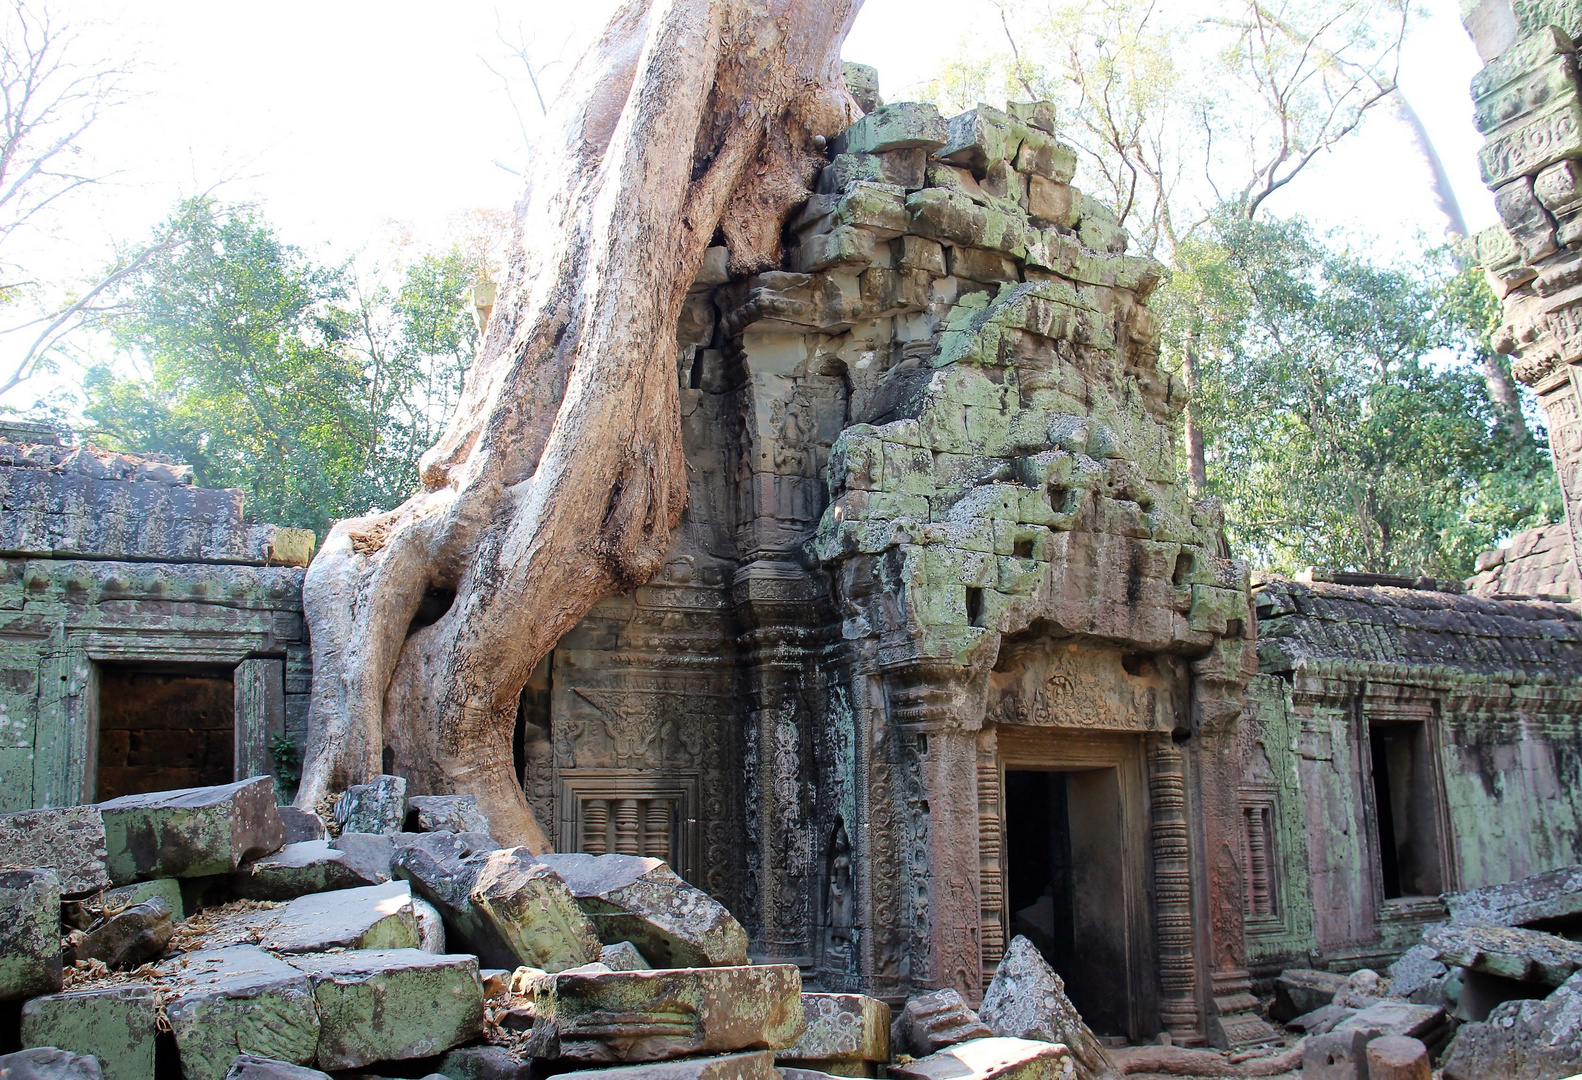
1210,1064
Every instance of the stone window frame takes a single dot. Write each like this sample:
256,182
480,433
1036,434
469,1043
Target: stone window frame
574,786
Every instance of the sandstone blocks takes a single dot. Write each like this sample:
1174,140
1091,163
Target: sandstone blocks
68,840
191,832
29,933
239,1000
115,1026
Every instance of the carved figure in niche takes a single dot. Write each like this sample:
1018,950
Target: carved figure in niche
793,456
838,900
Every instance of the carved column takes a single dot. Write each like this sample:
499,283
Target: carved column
991,868
1178,995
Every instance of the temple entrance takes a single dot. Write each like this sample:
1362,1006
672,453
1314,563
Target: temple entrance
1406,818
1066,873
164,726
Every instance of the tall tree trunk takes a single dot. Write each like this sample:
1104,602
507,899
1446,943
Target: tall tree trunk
1502,392
561,476
1444,194
1197,458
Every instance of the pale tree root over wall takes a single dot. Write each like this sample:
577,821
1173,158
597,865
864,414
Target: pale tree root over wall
561,476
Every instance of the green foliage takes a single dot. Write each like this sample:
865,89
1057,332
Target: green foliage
1342,404
288,766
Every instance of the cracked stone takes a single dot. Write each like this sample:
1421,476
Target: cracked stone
114,1025
29,933
127,939
374,917
193,832
847,1034
304,867
48,1063
1555,894
991,1058
1027,1000
934,1021
300,825
68,840
448,813
1522,1038
234,1000
378,806
1513,953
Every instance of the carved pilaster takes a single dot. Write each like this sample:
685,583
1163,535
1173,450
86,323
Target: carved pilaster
1178,1005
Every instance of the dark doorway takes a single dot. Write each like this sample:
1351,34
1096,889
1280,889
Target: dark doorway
1065,878
1406,799
170,726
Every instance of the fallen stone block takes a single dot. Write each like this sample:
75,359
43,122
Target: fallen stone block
1396,1057
847,1035
252,1067
1509,952
448,813
484,1063
392,1005
533,911
234,1000
430,926
1522,1039
369,854
637,1016
1301,990
900,126
374,917
1429,1023
115,1026
934,1021
1554,894
302,868
1337,1055
130,937
623,956
84,913
68,840
378,806
1413,977
991,1059
441,868
673,924
300,825
192,832
1363,988
48,1063
752,1066
29,933
1322,1019
1027,1000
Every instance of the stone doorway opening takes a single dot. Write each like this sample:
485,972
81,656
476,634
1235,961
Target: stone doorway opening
1406,809
164,726
1066,872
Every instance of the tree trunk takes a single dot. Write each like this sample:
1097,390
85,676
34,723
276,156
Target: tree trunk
1197,458
561,476
1507,402
1444,194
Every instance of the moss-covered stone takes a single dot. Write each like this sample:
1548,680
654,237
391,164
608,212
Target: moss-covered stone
115,1025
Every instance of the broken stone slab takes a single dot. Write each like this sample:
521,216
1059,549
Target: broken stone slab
1322,1019
48,1063
847,1035
934,1021
1027,1000
533,911
1522,1038
301,825
192,832
897,126
673,924
1510,952
623,956
1414,975
992,1058
636,1016
484,1063
114,1025
448,813
127,939
369,854
391,1004
373,917
1398,1057
1554,894
84,913
1363,988
441,868
751,1066
29,933
238,999
430,926
1336,1055
68,840
253,1067
302,868
378,806
1301,990
1429,1023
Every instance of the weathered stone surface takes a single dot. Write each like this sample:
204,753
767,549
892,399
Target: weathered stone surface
1397,1057
934,1021
128,938
1301,990
1363,988
898,126
114,1025
430,926
1337,1055
1510,952
234,1000
1027,1000
390,1005
48,1063
29,933
847,1034
533,911
672,923
373,917
990,1059
655,1015
442,868
378,806
68,840
253,1067
1522,1039
191,832
369,854
484,1063
752,1066
1389,1017
1416,973
623,956
301,868
1322,1019
448,813
88,910
862,83
301,825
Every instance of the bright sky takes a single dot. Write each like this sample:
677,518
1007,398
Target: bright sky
341,117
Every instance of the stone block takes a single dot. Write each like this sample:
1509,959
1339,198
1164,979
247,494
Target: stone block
1397,1057
368,854
448,813
751,1066
673,924
84,913
374,917
48,1063
1415,972
1038,115
934,1021
430,926
378,806
68,840
991,1059
623,956
29,933
441,868
862,83
1054,203
307,866
634,1016
1509,952
485,1063
238,1000
1522,1038
300,825
533,911
902,125
1322,1019
1390,1017
128,938
976,264
253,1067
1027,1000
1554,894
1338,1055
192,832
392,1005
114,1025
847,1035
978,138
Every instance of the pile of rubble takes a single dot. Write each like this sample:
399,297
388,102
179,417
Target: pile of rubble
1495,992
210,929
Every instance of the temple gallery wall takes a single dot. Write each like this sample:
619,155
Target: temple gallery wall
944,652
